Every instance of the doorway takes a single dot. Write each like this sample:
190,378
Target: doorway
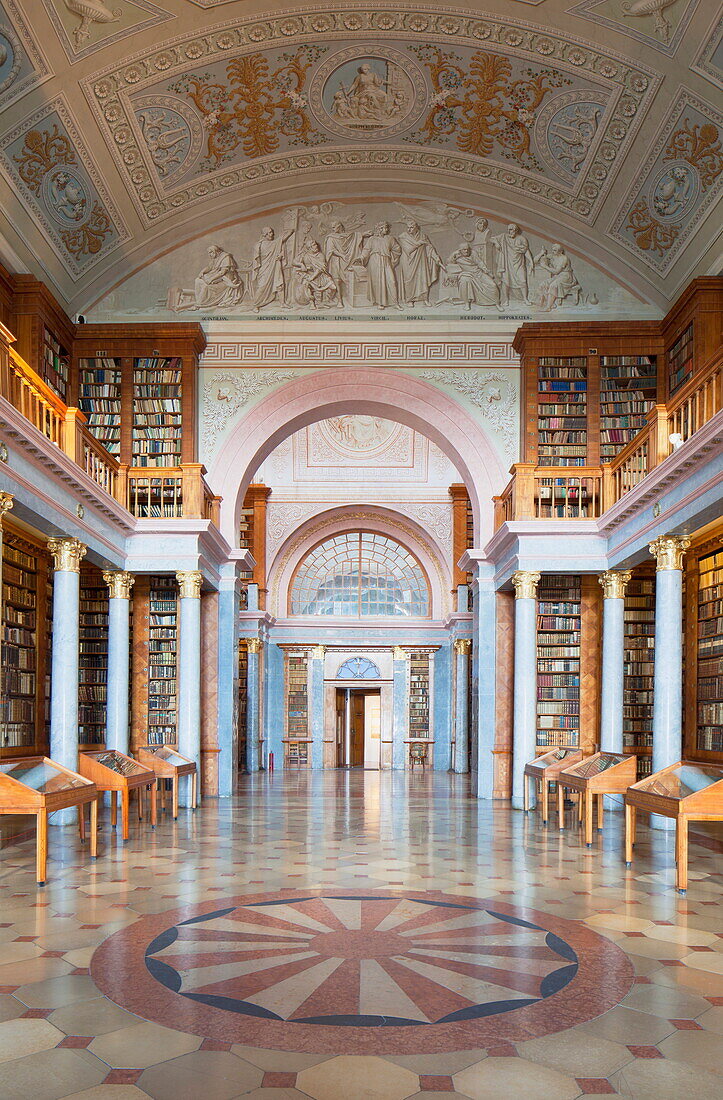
358,727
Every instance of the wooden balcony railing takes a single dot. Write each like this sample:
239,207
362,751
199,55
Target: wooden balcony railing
175,492
585,492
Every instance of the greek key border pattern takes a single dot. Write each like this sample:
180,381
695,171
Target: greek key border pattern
396,352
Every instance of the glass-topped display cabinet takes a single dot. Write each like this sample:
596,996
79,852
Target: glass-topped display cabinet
685,791
544,770
167,763
113,771
597,775
37,785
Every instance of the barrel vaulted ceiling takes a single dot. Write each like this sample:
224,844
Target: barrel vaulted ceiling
130,128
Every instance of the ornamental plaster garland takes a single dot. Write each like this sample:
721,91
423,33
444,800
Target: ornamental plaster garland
493,393
227,393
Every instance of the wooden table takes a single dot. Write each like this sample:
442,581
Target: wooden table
37,785
112,771
686,791
545,770
599,774
167,763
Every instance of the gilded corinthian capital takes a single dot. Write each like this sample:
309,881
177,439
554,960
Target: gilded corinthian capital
119,585
614,583
6,503
462,645
189,584
253,645
669,550
525,584
67,554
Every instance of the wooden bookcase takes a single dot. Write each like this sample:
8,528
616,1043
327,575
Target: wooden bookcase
24,710
100,398
419,694
154,661
562,410
93,658
628,391
297,707
243,679
44,332
692,332
638,668
703,649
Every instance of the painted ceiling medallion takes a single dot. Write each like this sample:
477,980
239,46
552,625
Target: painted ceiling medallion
358,434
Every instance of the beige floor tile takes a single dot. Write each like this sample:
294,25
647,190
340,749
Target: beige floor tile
661,1079
712,1020
694,937
620,922
357,1078
33,970
282,1060
659,1000
95,1017
710,961
142,1045
10,1008
49,1075
497,1078
16,952
438,1063
206,1074
702,982
68,989
577,1053
278,1094
19,1038
109,1092
698,1048
626,1025
81,957
653,949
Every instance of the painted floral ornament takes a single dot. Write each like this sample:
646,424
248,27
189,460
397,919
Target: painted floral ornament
90,11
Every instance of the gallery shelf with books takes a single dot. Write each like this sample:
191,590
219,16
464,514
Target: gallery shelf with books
562,413
419,693
680,359
710,654
55,363
93,658
162,660
559,613
628,391
100,386
297,708
25,653
157,412
638,669
243,677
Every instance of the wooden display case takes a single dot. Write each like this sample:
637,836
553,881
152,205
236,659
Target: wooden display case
685,791
112,771
166,763
599,774
545,770
37,785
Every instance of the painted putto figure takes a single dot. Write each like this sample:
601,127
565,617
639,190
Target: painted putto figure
419,265
380,255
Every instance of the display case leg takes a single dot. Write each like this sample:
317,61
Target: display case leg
125,799
113,810
600,812
174,788
545,800
681,870
194,790
81,823
154,807
588,797
41,847
629,831
560,807
94,829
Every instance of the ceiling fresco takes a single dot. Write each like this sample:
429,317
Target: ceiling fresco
594,127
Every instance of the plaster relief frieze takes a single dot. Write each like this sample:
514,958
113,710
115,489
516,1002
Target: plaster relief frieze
84,26
493,394
227,394
709,62
657,23
47,161
22,62
677,185
304,91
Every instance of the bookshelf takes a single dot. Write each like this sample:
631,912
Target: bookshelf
419,694
243,676
100,387
157,412
162,660
628,391
709,726
638,669
680,359
562,412
297,707
93,658
25,675
559,624
55,363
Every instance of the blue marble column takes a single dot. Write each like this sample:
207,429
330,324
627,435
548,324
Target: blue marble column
116,714
461,705
485,701
668,675
273,717
228,685
253,704
525,681
189,676
400,708
613,660
316,705
67,555
442,711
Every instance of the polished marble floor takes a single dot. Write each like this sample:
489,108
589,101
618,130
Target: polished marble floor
354,936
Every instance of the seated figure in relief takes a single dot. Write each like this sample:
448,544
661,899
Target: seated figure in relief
470,280
315,277
560,282
219,285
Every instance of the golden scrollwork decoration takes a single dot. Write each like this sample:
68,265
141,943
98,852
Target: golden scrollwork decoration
650,234
699,145
42,151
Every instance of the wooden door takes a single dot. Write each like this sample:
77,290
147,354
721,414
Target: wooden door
357,730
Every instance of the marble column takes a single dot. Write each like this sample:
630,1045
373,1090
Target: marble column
400,708
189,676
253,704
116,714
67,554
668,674
525,681
316,705
228,679
613,659
485,634
461,704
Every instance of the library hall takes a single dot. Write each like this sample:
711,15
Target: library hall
361,550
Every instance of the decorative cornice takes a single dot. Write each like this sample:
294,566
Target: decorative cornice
525,584
669,550
314,353
462,647
67,554
119,584
6,503
614,583
253,645
189,583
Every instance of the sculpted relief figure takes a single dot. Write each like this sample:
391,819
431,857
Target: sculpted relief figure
560,282
369,98
514,264
470,279
268,268
419,265
380,255
219,285
314,276
342,250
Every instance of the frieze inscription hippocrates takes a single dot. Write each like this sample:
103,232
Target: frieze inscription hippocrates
417,88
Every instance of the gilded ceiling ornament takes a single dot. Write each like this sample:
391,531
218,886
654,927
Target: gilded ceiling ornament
525,584
699,145
669,550
189,583
650,234
88,239
42,151
614,583
119,584
67,554
89,12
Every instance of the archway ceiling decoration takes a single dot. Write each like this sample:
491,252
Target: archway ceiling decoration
131,128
